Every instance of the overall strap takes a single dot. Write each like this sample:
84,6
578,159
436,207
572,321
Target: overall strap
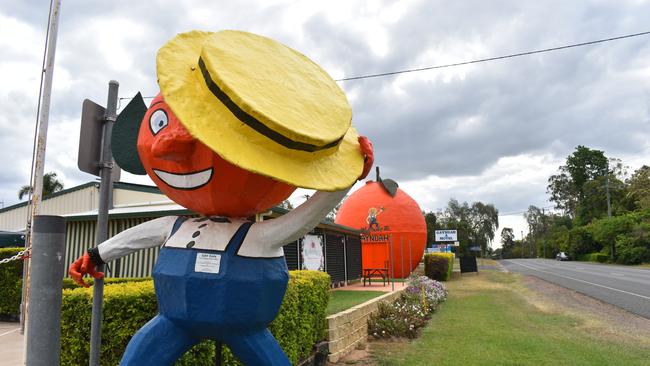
177,225
237,239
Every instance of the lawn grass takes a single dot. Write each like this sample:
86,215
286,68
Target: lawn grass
344,299
487,321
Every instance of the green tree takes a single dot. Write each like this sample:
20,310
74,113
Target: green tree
476,224
51,184
485,221
579,186
639,188
584,165
431,220
563,192
507,242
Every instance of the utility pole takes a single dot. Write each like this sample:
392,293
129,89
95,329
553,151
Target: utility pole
38,165
522,244
609,212
544,227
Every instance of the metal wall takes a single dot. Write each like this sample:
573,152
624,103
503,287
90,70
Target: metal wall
81,200
77,200
342,255
81,236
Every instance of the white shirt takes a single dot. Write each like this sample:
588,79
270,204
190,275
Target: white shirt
264,239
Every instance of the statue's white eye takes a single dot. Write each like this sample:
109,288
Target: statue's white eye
158,121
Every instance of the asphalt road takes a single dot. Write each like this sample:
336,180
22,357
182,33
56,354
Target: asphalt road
625,287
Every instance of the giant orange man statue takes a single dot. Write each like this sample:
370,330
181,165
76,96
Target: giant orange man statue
240,122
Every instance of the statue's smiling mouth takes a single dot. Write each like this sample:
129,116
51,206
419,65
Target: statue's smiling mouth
191,180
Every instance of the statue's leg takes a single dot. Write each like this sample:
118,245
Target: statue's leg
159,342
258,348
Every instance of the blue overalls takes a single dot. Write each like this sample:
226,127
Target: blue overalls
234,306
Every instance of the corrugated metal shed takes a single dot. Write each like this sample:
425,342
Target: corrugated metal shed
81,198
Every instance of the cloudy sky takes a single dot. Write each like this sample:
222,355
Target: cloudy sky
491,132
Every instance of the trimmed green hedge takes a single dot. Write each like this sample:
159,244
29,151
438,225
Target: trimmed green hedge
435,269
11,282
594,257
128,306
68,283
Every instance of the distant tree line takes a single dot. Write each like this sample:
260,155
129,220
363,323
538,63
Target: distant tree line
600,209
476,224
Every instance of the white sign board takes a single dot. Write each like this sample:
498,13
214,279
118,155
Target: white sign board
312,253
446,235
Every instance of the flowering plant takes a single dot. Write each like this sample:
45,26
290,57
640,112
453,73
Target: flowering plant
410,311
431,292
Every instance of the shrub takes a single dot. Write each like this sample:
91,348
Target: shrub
68,283
435,269
410,311
594,257
128,306
629,250
11,281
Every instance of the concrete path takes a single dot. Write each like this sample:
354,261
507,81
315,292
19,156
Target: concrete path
374,286
625,287
11,344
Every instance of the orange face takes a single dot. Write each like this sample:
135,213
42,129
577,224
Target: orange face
194,176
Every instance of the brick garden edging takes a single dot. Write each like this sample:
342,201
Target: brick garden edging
350,327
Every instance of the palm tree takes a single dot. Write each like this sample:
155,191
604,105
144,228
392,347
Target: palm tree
50,185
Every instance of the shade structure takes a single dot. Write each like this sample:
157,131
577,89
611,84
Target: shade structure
385,211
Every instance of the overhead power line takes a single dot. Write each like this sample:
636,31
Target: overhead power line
494,58
369,76
523,212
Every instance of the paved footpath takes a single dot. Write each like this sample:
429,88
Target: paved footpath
11,344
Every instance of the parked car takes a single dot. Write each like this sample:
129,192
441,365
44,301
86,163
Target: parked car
12,239
561,256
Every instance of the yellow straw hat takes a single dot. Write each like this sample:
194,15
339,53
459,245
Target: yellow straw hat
261,106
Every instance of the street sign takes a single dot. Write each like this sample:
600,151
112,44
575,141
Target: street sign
90,139
475,248
446,235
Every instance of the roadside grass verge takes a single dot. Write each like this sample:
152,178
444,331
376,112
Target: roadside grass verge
488,321
344,299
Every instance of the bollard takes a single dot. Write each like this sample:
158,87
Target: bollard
47,268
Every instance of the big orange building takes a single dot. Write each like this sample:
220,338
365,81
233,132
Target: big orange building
385,211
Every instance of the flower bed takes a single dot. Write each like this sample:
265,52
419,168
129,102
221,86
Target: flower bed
410,311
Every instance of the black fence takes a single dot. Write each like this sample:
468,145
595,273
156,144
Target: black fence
341,254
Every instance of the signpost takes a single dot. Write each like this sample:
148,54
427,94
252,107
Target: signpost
446,235
95,157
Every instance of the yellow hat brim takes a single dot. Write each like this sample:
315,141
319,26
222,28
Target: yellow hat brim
212,123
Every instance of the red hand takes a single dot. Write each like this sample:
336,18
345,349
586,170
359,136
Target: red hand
82,266
368,155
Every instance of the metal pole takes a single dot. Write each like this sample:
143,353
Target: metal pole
39,161
410,260
105,187
218,349
544,228
392,268
345,260
609,212
401,246
44,323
